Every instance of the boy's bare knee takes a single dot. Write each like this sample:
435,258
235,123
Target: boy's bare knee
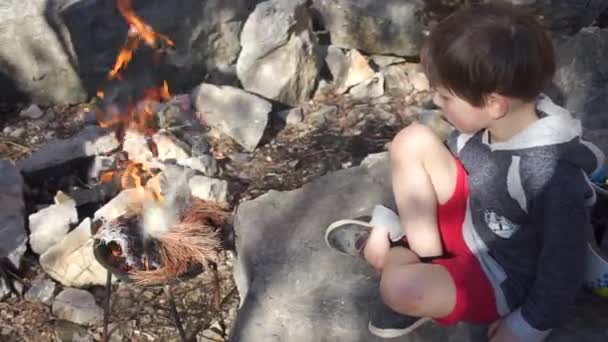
411,140
400,293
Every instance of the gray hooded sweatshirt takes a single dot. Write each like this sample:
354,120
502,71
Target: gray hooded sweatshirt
527,217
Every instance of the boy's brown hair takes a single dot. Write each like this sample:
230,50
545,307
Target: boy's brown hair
489,48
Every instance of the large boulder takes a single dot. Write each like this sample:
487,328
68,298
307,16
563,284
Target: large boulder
279,58
59,51
389,27
581,79
567,16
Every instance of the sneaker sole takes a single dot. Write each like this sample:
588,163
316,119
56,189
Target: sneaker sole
340,223
393,333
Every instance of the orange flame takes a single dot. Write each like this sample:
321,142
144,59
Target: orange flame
137,116
138,30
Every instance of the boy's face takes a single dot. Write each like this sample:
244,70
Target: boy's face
461,114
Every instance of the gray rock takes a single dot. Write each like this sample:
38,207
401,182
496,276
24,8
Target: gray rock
582,68
294,288
12,209
73,43
595,118
13,237
396,80
279,58
77,306
291,116
69,332
15,258
568,16
335,59
320,116
209,188
234,112
42,290
100,164
204,164
383,61
71,261
90,141
372,88
49,225
32,112
290,291
390,27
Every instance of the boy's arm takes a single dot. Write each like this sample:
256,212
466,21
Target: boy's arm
565,230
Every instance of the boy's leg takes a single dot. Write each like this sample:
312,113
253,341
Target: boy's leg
423,176
416,289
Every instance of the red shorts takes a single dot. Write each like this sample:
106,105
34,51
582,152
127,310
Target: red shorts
475,301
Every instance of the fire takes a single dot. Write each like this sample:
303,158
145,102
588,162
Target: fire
138,31
138,116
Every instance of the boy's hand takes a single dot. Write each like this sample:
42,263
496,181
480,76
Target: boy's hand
500,332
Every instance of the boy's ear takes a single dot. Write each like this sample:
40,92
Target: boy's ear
497,105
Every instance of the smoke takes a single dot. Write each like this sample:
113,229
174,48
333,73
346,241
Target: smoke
159,216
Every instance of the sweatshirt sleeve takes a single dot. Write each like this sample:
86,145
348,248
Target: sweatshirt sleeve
565,229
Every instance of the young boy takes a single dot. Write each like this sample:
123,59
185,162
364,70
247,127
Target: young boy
497,222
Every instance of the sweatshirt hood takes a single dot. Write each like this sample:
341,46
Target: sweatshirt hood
556,130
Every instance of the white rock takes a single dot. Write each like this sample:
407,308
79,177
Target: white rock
170,148
371,88
234,112
209,188
77,306
118,206
32,112
71,261
136,145
419,81
49,225
279,58
358,70
18,132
